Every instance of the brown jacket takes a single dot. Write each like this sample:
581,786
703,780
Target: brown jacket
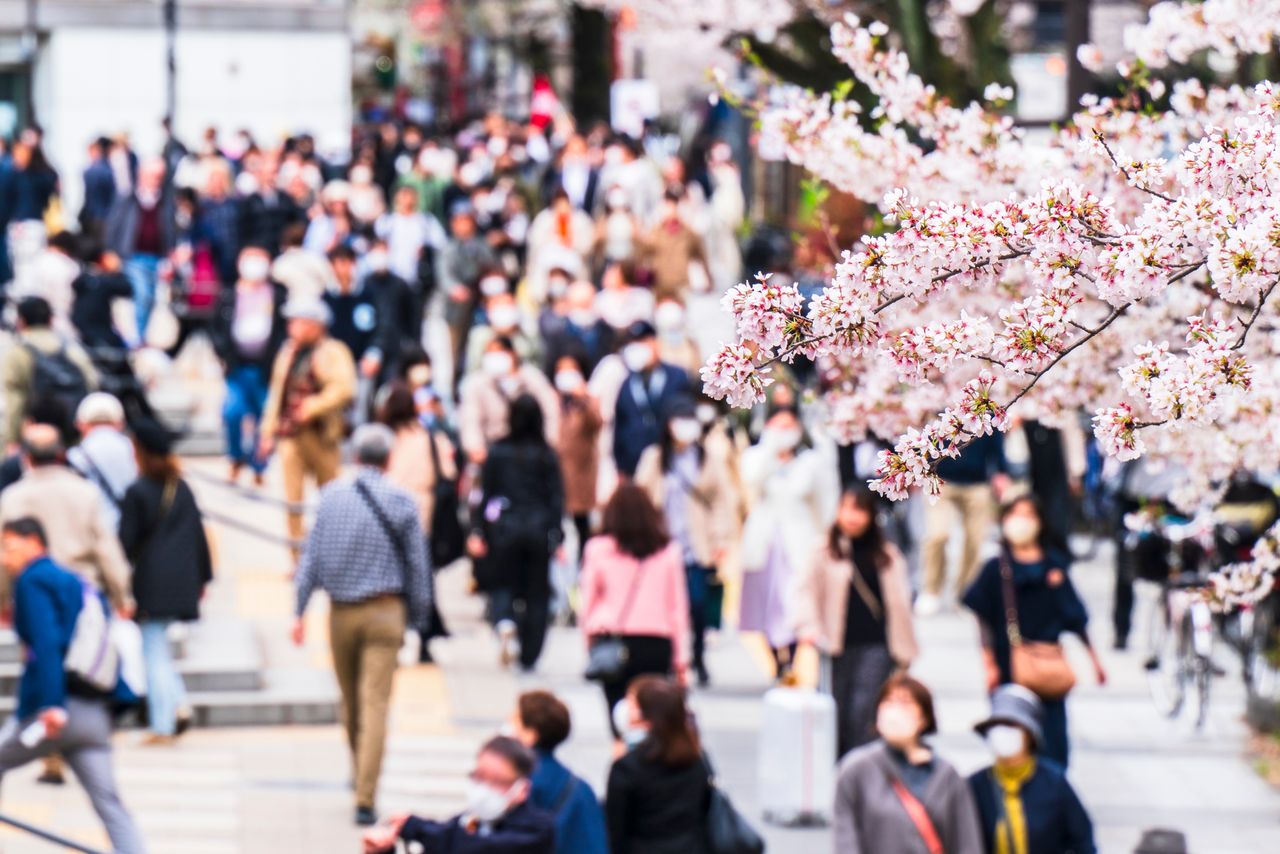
335,371
714,522
822,599
485,406
668,252
580,425
70,509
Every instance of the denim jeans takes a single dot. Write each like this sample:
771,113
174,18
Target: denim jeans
166,692
246,396
142,271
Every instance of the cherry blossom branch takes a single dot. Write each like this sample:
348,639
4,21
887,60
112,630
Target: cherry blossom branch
1253,316
1102,140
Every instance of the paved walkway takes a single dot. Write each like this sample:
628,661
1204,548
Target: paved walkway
285,789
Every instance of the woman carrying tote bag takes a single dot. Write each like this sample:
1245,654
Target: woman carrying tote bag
1024,601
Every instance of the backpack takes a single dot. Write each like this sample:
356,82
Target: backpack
55,376
92,659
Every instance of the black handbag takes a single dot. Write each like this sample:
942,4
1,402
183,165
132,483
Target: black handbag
448,541
608,655
727,831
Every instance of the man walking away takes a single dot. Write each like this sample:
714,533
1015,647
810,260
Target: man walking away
368,552
43,364
54,713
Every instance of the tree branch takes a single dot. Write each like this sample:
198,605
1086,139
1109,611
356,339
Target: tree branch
1102,140
1253,316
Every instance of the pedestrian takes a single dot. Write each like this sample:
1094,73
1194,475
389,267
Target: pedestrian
409,233
499,817
972,484
672,248
541,723
422,460
104,455
99,189
486,398
896,794
54,270
398,306
466,257
47,600
699,499
1055,471
1025,802
503,319
368,552
30,189
248,329
1025,596
98,286
162,534
646,398
853,602
265,211
305,274
633,588
579,330
42,364
313,379
578,444
517,526
791,490
658,791
139,229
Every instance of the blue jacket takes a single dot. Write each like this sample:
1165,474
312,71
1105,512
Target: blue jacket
978,462
642,410
1056,820
524,830
579,818
46,602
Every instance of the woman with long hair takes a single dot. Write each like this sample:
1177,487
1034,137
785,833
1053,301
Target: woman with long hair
163,535
1025,596
517,527
657,795
633,588
853,602
696,491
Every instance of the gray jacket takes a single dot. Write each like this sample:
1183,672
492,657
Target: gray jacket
870,819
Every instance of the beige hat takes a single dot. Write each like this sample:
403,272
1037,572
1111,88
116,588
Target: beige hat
99,408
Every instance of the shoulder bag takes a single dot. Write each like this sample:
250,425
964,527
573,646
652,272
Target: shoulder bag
397,545
727,831
919,816
608,654
448,540
1040,666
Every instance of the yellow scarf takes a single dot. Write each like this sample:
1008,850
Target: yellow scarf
1011,831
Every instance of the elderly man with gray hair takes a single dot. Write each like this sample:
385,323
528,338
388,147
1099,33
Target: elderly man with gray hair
368,551
105,455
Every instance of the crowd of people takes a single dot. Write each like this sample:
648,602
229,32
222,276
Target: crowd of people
495,326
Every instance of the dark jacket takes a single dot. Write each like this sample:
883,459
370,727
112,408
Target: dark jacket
399,318
167,548
642,409
28,192
120,233
977,463
355,319
99,193
564,338
579,819
262,220
219,222
1056,820
651,808
524,830
91,311
224,343
46,602
520,513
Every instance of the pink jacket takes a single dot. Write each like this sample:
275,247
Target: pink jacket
661,604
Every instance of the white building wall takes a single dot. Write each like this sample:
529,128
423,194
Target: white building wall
94,81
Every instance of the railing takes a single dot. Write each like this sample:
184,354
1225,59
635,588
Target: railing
47,835
251,495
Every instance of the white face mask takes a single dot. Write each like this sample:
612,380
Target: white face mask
636,356
669,318
686,431
1020,531
419,375
783,439
491,286
1006,741
897,725
361,175
706,413
254,269
485,803
497,364
504,317
631,735
568,381
557,286
377,261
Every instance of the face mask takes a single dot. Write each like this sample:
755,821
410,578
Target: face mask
686,431
636,356
485,803
504,317
1020,531
897,725
419,375
377,261
1006,741
784,439
669,318
582,318
497,363
631,735
706,413
557,286
616,199
254,269
246,184
568,381
361,175
491,286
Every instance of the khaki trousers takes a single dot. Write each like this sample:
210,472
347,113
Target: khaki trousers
365,640
976,505
308,453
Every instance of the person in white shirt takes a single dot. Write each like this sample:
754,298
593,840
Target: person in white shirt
407,230
105,454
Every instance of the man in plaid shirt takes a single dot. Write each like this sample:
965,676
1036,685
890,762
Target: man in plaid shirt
367,550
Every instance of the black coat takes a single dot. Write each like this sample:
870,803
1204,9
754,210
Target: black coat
1057,822
399,319
520,514
169,552
524,830
262,220
651,808
91,311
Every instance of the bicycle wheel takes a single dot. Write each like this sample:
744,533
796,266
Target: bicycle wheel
1166,662
1203,669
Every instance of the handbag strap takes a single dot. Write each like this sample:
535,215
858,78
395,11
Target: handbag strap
864,590
919,816
435,455
1010,601
625,613
384,522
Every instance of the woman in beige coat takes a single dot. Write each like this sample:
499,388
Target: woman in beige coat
853,603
